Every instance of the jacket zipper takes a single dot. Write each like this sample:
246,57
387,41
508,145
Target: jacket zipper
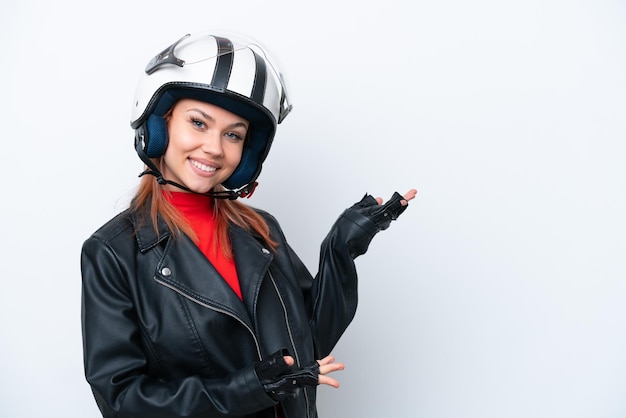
282,303
191,298
256,342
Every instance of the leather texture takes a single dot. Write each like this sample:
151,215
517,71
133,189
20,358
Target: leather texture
165,336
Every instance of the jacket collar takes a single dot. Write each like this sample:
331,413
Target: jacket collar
252,260
147,236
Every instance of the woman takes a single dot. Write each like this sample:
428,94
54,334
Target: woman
193,303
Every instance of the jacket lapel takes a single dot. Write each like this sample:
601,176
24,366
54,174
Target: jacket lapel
183,267
252,261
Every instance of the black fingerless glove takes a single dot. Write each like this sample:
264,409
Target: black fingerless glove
381,215
281,381
356,226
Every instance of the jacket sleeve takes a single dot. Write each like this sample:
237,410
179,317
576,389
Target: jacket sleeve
116,365
333,292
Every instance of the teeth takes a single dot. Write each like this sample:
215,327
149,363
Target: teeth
203,167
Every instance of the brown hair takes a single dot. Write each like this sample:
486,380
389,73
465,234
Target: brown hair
225,212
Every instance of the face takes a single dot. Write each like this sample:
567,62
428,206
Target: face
205,145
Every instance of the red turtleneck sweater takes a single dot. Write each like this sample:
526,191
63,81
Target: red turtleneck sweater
198,210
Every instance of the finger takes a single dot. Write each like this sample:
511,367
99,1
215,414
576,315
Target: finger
289,360
329,381
328,365
329,368
326,360
410,195
379,200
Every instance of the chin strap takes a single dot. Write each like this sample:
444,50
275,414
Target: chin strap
245,191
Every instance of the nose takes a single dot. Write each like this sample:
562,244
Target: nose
212,144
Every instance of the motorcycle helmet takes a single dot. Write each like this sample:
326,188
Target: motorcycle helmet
228,71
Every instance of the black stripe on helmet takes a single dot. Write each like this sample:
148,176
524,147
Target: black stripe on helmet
260,80
224,64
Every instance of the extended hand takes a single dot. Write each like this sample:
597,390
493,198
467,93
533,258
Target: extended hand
382,214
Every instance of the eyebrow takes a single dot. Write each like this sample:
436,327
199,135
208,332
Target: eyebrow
211,118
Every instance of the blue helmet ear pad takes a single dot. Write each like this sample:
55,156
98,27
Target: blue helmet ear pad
254,152
155,136
155,128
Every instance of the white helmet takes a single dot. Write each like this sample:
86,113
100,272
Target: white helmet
233,73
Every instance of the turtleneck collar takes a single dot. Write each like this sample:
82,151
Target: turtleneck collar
189,202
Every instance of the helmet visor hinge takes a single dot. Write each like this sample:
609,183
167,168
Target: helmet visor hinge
165,57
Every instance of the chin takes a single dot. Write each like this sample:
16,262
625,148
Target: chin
199,188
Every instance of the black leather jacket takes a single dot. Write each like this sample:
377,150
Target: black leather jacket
165,336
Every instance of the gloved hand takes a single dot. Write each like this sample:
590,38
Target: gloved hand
358,224
381,215
282,381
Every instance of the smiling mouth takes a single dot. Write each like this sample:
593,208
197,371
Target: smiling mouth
205,168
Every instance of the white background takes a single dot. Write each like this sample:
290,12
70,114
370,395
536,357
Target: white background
500,293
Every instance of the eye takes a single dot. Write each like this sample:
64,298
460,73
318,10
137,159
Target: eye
234,136
198,123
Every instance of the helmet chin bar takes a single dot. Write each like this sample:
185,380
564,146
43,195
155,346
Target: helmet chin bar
245,191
